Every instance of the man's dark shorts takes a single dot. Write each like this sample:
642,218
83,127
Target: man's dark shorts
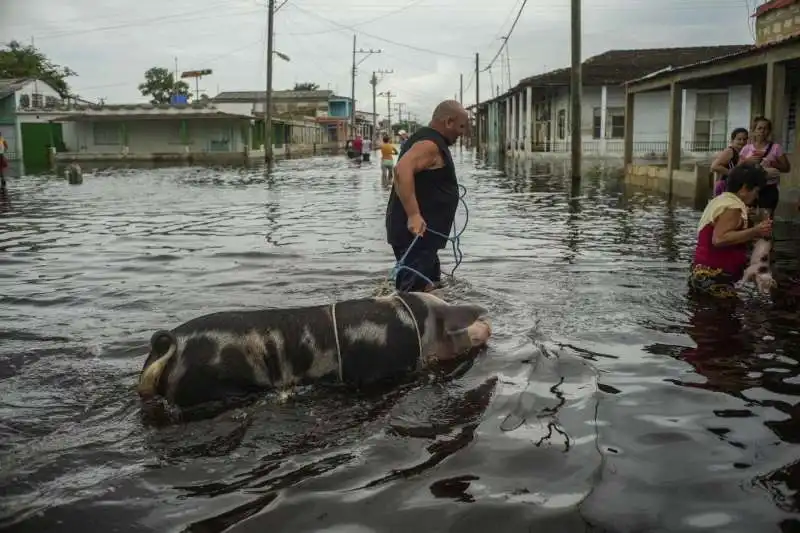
424,260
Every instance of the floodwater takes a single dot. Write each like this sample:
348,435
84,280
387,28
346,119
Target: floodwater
607,401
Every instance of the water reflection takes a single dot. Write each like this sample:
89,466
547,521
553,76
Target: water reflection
606,398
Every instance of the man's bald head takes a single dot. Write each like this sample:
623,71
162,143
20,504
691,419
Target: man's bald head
450,119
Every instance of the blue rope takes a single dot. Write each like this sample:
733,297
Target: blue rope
455,240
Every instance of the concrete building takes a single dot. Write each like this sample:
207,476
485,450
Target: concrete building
770,69
26,107
147,132
534,116
329,111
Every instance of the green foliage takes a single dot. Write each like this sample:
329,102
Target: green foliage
307,86
18,61
159,84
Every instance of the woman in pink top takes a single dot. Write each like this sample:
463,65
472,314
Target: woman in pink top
761,150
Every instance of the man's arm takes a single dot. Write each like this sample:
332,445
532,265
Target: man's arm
420,156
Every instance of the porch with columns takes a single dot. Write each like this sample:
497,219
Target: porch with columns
772,71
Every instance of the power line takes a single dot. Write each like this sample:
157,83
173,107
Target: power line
376,37
505,39
357,24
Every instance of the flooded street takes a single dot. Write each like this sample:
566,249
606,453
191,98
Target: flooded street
607,401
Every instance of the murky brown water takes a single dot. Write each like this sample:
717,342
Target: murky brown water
607,400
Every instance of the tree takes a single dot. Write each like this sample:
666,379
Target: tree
307,86
160,84
17,61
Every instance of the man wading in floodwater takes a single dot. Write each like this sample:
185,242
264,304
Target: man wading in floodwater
425,195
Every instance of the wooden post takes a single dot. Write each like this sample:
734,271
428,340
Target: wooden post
575,90
477,103
630,99
268,95
675,127
775,101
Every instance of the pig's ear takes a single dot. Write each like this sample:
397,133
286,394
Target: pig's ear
460,316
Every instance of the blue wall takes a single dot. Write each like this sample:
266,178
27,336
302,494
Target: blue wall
339,108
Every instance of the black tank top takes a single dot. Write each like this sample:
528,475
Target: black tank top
437,196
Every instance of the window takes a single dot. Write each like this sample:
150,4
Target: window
38,101
106,133
50,102
24,101
561,124
711,121
615,123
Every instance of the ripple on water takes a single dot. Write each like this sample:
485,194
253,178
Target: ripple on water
605,397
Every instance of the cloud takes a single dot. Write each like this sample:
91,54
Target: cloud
427,43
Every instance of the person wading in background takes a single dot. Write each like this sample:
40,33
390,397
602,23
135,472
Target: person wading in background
425,195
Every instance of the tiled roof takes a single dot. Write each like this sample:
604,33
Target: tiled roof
753,48
772,5
618,66
260,96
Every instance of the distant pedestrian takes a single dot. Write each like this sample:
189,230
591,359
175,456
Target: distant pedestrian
358,145
403,138
366,150
388,151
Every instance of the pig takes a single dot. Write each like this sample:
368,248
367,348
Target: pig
229,354
759,270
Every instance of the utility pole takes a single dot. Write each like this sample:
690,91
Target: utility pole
400,106
388,95
374,83
461,101
575,89
268,96
477,102
353,81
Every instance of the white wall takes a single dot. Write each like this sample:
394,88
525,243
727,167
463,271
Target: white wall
738,109
159,136
650,111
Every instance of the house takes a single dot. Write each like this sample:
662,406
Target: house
145,132
534,116
26,107
329,111
760,79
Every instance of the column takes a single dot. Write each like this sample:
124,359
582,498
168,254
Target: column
775,101
674,142
519,135
511,121
602,145
507,125
630,98
528,119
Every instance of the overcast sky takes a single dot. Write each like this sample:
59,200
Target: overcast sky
428,43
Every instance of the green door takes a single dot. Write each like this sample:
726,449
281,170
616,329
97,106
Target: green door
37,138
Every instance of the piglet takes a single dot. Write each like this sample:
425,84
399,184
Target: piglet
759,270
